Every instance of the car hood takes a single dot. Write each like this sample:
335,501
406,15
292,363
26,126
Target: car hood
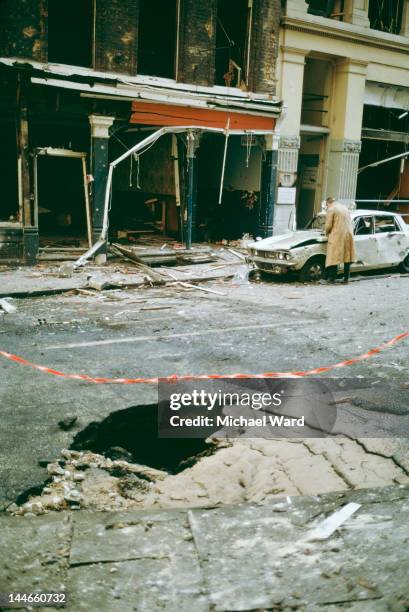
291,240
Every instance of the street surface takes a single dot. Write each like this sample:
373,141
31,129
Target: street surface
251,328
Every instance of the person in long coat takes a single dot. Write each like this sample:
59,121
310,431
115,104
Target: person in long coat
340,247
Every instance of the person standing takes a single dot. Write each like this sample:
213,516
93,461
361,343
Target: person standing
340,247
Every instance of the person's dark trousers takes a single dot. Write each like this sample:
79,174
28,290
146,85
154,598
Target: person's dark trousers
347,268
331,273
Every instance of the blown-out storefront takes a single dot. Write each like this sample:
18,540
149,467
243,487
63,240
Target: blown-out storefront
210,175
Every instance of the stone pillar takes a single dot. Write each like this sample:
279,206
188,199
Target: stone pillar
346,126
268,188
356,12
296,8
99,168
404,31
287,165
343,168
291,86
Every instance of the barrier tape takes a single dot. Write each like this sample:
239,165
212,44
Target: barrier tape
175,377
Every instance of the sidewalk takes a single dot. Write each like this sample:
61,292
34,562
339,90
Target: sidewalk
44,279
243,557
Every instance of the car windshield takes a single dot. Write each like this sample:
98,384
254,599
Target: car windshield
317,223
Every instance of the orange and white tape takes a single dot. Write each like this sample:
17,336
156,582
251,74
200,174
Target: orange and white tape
176,377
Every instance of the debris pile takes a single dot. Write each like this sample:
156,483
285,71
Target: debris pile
88,480
240,470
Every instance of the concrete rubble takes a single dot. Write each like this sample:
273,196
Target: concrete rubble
238,471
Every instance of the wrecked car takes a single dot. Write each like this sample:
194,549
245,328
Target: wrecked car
381,241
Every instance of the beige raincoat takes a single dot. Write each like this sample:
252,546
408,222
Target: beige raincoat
338,228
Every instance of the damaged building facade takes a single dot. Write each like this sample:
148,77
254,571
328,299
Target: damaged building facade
83,82
343,72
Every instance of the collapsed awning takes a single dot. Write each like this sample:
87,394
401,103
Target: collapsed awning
212,103
146,113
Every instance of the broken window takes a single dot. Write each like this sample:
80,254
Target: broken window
363,226
9,207
157,37
233,25
70,32
385,225
323,8
386,15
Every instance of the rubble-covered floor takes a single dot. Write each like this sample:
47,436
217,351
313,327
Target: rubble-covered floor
241,557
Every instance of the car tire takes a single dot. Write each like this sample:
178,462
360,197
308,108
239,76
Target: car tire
404,265
313,270
255,275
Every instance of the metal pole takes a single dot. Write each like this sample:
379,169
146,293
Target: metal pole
190,187
224,161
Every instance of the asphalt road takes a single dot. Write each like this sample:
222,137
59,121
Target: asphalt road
251,328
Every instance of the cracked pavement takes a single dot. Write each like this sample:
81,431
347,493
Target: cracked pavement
180,560
160,331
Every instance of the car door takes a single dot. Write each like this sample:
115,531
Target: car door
365,243
391,240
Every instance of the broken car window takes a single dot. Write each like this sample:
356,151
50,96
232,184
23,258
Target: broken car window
317,223
363,226
386,224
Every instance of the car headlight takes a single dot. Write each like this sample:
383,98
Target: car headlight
282,255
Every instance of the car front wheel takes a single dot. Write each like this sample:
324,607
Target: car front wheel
313,270
404,266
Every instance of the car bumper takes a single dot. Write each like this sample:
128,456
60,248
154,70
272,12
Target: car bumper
271,267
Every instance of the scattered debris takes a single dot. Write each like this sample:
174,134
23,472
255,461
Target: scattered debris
98,284
325,529
205,289
237,254
66,270
7,307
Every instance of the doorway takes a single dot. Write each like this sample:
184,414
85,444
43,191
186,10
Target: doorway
62,198
310,162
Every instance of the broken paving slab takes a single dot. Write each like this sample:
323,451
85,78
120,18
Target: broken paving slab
134,561
124,536
261,547
242,557
140,585
34,553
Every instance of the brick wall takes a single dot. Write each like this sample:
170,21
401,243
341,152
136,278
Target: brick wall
265,36
116,35
23,29
197,41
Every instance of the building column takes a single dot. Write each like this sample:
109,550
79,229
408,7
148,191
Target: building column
287,175
26,191
191,183
99,169
346,126
296,8
356,12
404,31
292,76
268,187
